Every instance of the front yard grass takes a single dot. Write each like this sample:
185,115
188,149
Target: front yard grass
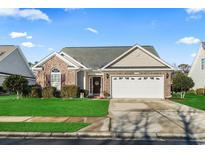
41,126
192,100
10,106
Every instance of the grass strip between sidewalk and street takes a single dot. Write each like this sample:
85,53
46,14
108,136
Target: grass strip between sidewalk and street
41,126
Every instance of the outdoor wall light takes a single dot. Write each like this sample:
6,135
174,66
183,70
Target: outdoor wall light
167,75
107,76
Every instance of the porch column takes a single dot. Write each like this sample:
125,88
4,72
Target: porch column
84,80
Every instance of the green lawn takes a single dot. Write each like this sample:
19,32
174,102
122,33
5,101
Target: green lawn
191,100
10,106
41,126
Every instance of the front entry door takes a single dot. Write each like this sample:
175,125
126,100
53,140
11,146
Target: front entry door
96,85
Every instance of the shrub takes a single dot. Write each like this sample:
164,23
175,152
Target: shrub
106,94
16,83
2,90
68,91
48,92
200,91
86,92
191,91
181,83
26,91
36,91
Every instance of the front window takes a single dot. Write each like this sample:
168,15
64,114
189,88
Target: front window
203,64
56,78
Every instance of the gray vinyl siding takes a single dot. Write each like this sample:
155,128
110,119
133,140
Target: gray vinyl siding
80,80
2,78
196,72
15,64
30,81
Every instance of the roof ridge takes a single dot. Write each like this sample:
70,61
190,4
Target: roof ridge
98,46
112,46
8,45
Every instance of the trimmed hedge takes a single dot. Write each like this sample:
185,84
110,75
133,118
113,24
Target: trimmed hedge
86,92
191,91
26,91
70,91
36,91
48,92
200,91
106,94
2,90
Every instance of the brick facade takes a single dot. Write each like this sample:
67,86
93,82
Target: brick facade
70,75
167,78
55,62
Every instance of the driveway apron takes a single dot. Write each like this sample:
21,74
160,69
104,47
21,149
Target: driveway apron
155,116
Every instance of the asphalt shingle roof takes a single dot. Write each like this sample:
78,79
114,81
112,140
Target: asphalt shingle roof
97,57
5,50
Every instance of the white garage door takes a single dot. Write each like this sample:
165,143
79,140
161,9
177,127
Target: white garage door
137,87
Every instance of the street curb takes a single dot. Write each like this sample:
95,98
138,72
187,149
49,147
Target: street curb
149,136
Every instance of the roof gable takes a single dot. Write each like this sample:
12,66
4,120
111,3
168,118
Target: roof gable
44,60
97,57
196,72
151,54
15,63
137,59
5,50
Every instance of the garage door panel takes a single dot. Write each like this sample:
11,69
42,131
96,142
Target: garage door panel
137,87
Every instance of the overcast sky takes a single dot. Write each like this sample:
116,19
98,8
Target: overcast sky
175,33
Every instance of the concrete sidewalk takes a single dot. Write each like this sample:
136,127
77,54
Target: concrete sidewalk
133,119
49,119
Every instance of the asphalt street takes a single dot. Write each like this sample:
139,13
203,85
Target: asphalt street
94,141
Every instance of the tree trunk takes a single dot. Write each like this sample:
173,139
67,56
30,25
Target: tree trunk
17,94
184,93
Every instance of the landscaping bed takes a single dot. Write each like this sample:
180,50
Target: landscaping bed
41,126
10,106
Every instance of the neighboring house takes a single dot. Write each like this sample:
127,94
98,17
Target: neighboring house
197,71
120,71
12,61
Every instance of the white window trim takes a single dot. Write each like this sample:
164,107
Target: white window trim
203,64
101,85
56,73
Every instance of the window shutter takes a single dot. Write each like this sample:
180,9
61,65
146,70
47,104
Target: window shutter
62,79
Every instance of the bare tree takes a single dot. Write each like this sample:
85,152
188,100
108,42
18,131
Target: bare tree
184,68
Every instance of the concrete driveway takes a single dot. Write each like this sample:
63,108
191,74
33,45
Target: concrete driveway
160,117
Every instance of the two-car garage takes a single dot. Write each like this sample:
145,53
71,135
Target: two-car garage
137,87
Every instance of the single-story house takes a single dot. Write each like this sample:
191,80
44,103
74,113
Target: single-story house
197,71
13,62
120,71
